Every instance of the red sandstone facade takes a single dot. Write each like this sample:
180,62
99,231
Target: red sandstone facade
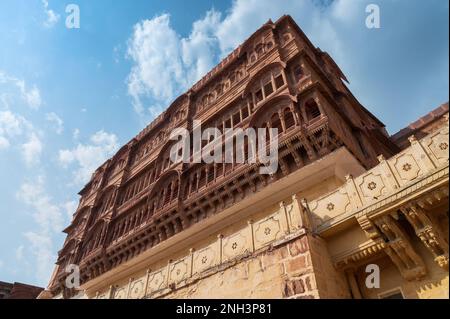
276,78
18,291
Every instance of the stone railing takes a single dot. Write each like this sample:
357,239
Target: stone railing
272,230
390,176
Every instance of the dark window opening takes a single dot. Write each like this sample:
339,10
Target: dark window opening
312,110
236,118
244,113
279,81
268,89
288,118
202,180
258,96
276,123
211,174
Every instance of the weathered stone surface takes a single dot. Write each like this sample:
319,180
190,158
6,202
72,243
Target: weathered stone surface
298,246
296,265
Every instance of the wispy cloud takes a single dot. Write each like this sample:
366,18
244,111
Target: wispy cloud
11,126
166,64
16,130
32,149
87,157
48,219
32,96
57,122
52,16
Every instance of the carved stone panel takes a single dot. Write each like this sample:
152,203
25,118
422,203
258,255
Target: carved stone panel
372,187
137,289
205,258
120,293
267,230
439,145
235,245
179,270
157,280
406,167
332,205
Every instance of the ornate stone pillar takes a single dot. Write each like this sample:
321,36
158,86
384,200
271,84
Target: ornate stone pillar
386,231
429,233
353,284
400,249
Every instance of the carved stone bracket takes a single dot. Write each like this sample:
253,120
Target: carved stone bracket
400,249
396,245
368,227
428,232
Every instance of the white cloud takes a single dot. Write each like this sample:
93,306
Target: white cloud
16,130
158,71
4,143
165,64
46,213
32,96
87,157
32,149
76,134
12,126
58,123
70,207
199,50
41,247
49,221
52,17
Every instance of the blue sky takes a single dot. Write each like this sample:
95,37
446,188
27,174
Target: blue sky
70,97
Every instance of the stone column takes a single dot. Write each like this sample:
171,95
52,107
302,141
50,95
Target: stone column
353,283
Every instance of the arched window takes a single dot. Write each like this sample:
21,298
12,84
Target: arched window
288,118
175,190
276,122
167,194
259,48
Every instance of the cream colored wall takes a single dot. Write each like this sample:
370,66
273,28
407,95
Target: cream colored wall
331,283
433,286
